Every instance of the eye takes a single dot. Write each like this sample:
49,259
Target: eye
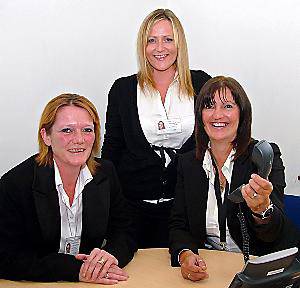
66,130
228,106
151,40
88,130
209,106
169,39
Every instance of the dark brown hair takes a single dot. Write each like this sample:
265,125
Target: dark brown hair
217,86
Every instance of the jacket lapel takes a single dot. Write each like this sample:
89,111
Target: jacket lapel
47,204
197,196
240,173
134,126
95,210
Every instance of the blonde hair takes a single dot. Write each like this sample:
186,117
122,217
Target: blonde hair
45,156
145,77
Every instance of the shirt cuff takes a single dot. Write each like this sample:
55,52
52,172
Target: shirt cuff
178,257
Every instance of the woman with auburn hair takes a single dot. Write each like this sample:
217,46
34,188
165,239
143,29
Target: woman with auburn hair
62,214
202,215
145,155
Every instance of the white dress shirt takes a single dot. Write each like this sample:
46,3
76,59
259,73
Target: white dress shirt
212,224
71,216
169,124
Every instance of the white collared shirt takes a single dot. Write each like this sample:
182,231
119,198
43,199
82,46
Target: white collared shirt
178,110
71,216
212,224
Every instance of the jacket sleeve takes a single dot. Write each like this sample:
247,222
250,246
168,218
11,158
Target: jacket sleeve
114,141
277,229
120,240
199,78
179,231
19,255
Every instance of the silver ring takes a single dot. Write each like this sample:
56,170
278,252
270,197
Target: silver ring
101,261
106,276
189,275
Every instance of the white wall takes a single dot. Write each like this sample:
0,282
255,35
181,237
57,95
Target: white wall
80,46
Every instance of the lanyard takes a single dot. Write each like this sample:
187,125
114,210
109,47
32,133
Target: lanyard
76,219
222,206
222,213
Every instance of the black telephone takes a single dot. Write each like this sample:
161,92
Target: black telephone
277,270
262,157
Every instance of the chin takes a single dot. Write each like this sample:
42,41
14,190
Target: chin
78,162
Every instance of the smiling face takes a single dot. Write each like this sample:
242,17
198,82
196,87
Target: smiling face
161,51
221,118
71,137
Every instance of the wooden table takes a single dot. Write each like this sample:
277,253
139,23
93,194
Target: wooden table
151,268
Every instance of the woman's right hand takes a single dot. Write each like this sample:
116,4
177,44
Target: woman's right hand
193,266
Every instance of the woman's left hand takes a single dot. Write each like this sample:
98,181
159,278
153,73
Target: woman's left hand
97,264
257,193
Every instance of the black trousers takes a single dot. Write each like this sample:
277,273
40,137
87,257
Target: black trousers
151,223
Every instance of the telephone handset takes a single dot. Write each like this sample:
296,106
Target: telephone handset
262,157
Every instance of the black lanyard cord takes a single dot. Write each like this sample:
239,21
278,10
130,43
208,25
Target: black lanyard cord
222,207
222,215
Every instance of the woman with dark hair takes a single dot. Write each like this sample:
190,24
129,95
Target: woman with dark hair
202,215
149,120
62,213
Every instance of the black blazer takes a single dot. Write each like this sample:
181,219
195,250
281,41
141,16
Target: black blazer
188,217
30,225
139,167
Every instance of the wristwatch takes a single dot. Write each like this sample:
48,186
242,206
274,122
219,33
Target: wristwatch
265,214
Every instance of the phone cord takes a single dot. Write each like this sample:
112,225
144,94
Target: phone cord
245,234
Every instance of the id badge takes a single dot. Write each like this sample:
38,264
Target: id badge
173,125
72,245
169,126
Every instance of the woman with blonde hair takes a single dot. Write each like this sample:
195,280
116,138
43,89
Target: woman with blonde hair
62,214
163,91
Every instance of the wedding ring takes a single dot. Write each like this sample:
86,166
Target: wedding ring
254,195
106,276
101,261
189,275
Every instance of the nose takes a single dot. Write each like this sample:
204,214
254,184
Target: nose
217,112
78,137
160,45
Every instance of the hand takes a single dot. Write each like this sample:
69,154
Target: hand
113,276
116,273
193,266
257,193
96,266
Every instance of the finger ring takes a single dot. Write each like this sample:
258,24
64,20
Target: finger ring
189,275
254,195
106,276
101,261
